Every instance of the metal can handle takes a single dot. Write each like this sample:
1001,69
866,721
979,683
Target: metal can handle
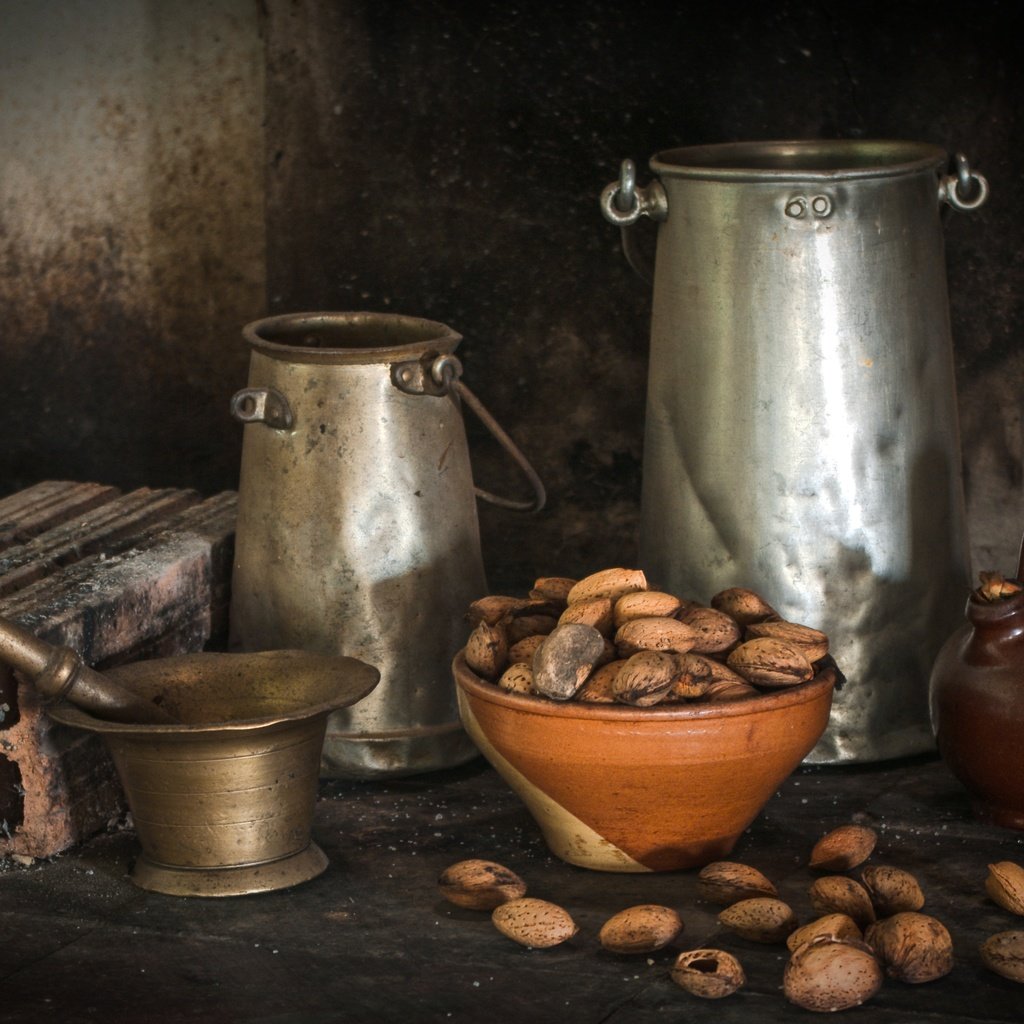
623,204
446,372
965,190
262,405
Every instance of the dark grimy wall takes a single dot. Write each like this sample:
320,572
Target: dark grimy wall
445,160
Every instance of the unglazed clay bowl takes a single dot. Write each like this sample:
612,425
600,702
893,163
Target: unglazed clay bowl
618,788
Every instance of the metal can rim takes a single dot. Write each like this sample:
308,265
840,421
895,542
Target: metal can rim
799,160
354,337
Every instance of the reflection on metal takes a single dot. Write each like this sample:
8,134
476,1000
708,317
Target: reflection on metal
801,431
357,528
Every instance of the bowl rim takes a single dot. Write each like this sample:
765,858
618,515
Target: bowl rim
466,679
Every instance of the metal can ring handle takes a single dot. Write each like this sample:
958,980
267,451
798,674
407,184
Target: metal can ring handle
623,204
262,405
447,372
965,190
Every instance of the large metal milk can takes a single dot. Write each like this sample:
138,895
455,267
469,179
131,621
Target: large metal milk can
801,432
357,527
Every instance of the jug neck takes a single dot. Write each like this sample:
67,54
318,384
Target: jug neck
998,619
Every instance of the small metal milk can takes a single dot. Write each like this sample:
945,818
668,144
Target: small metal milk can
801,429
357,525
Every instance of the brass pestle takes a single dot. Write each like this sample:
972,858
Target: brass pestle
59,673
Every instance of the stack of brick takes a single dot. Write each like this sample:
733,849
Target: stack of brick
117,577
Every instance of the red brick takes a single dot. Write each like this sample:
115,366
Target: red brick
158,585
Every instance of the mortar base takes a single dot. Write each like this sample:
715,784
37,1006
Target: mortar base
230,881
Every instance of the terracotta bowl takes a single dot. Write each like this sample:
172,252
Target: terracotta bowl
616,788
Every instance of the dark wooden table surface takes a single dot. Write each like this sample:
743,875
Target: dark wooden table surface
371,939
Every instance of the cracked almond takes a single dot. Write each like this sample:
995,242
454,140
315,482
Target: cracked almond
708,973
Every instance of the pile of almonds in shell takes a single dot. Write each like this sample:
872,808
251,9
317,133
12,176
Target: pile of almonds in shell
861,932
611,638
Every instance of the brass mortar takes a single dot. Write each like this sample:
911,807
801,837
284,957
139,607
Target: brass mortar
222,800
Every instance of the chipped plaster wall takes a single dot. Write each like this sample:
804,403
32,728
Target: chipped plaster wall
131,222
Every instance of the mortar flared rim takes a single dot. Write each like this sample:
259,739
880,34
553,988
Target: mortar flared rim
175,679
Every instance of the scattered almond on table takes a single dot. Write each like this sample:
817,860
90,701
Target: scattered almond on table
836,962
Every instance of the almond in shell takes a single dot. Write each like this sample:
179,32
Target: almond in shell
743,605
611,583
716,631
770,663
480,884
1005,886
892,890
592,611
1003,953
640,929
654,633
524,650
812,642
844,848
708,973
493,608
760,919
837,894
828,975
723,691
913,947
644,679
552,588
532,922
517,678
726,882
697,673
599,687
643,604
831,926
521,626
487,650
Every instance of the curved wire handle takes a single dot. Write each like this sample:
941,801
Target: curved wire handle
447,372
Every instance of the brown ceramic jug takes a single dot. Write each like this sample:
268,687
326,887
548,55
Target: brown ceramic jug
977,702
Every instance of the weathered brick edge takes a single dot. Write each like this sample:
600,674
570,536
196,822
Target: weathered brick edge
166,598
